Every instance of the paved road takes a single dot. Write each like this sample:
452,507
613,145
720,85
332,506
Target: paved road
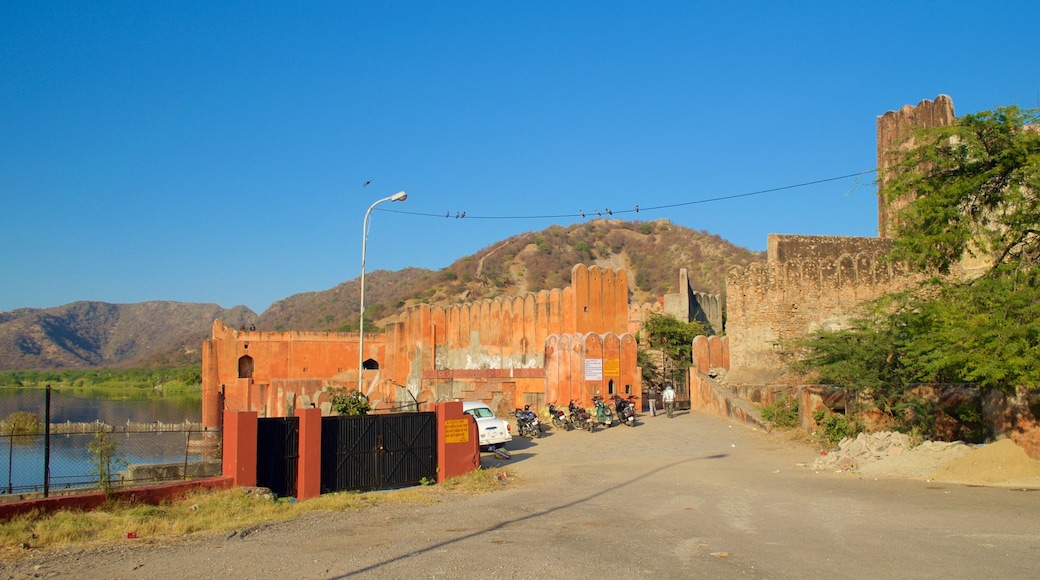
693,496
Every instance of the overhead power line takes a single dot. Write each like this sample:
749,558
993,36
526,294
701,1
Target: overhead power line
635,208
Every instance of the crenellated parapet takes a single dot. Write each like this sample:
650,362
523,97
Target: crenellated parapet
508,332
492,350
809,283
638,314
710,352
581,366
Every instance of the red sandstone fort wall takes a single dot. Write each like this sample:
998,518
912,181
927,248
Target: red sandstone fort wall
510,332
581,366
493,350
241,365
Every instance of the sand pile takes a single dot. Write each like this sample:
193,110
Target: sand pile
1002,463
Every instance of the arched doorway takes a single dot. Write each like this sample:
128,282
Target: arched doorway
245,367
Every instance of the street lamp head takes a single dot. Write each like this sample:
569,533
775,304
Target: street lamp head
399,196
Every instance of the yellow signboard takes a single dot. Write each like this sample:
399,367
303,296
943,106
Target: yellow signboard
612,367
456,430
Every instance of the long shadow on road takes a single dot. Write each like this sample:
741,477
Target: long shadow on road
531,516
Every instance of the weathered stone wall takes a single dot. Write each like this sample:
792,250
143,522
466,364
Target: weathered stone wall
811,284
688,304
708,396
1015,415
638,313
510,332
783,248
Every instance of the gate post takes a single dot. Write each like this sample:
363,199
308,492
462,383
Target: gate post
238,457
458,446
308,470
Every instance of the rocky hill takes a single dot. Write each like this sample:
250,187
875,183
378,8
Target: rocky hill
94,334
98,334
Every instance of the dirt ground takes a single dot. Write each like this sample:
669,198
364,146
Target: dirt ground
693,496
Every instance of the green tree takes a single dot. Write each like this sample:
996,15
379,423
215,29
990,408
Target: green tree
974,186
21,423
670,348
106,459
346,402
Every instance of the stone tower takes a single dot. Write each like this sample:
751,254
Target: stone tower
893,130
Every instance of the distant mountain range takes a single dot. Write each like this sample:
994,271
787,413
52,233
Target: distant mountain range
162,334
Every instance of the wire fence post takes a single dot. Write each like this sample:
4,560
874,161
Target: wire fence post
10,463
47,444
187,446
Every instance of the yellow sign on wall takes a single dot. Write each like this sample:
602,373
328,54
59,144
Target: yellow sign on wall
456,431
612,367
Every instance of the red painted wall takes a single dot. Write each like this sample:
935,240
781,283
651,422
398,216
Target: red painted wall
458,452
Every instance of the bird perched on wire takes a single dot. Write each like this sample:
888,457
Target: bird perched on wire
637,208
599,214
581,213
609,212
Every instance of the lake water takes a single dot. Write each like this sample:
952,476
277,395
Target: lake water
81,409
71,464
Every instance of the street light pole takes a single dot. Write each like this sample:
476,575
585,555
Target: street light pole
399,196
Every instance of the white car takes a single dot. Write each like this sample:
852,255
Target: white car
493,431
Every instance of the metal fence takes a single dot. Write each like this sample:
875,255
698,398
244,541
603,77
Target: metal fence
100,456
47,447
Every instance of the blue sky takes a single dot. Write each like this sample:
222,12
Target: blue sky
216,152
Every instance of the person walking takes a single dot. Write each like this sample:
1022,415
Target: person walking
651,396
668,396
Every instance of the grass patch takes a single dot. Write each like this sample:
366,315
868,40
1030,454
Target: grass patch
783,412
833,427
215,511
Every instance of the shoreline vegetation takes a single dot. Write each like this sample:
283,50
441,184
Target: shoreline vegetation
110,384
9,428
179,386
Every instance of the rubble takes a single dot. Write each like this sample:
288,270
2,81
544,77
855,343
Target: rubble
869,448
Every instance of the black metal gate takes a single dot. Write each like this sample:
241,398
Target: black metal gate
378,451
278,454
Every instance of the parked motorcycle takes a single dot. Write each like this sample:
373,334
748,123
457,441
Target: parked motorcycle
626,411
604,416
580,417
559,418
527,423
